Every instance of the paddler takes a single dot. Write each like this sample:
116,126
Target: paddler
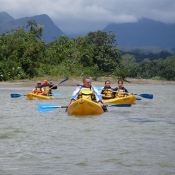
48,87
89,92
38,89
120,91
107,91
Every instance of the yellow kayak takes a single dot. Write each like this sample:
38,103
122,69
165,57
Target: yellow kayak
84,107
130,99
32,96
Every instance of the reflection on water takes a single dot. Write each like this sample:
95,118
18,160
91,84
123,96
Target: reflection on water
123,141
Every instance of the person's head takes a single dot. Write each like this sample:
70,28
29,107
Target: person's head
120,83
38,84
87,82
107,83
45,82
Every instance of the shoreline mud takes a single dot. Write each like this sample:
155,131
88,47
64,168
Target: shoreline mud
74,82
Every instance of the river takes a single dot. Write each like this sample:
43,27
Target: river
137,140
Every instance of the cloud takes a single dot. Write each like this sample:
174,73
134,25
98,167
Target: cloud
81,16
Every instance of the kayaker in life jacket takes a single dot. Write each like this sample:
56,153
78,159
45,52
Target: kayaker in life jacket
107,91
47,88
89,92
120,91
38,89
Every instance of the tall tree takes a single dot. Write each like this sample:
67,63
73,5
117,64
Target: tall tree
105,53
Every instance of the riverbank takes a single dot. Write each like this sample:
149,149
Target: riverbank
74,82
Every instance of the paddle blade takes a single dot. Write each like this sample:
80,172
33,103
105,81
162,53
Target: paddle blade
119,105
138,98
99,88
48,107
149,96
56,95
63,80
15,95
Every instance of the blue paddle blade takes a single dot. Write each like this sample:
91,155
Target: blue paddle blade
46,107
15,95
138,98
149,96
56,95
99,88
119,105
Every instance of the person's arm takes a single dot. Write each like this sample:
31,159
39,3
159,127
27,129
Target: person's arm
33,91
114,92
54,87
42,91
102,93
97,95
75,93
128,93
125,90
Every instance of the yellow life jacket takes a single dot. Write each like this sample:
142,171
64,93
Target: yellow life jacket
38,90
108,94
120,93
86,93
47,89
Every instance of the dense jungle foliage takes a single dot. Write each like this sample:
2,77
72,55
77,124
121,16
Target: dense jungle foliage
24,55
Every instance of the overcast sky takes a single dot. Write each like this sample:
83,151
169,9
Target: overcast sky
82,16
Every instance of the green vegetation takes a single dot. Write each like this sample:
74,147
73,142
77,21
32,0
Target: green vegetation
24,55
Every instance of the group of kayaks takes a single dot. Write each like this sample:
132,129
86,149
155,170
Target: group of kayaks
80,106
84,106
89,107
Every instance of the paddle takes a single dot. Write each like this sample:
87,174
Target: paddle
16,95
19,95
56,95
149,96
55,86
63,80
51,107
137,98
99,88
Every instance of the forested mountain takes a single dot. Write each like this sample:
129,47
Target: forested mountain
145,32
50,30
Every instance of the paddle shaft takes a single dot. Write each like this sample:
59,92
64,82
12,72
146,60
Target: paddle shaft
149,96
54,106
50,107
63,81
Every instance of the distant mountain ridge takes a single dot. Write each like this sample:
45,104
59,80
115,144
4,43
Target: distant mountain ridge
50,30
145,32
